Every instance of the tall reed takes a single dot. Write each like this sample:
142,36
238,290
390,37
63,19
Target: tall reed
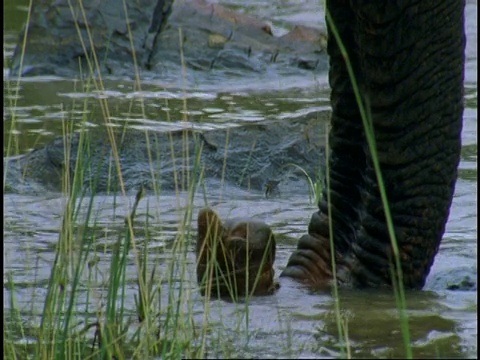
397,277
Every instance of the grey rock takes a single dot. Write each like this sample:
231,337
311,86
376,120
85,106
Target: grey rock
154,38
249,156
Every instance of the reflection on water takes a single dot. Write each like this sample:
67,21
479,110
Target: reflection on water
293,322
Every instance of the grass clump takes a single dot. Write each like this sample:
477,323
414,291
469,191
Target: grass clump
78,320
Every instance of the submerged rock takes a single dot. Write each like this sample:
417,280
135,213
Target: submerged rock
249,156
457,279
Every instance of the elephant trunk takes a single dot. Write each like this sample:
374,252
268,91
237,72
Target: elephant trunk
408,61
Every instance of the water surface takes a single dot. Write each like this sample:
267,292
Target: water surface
293,322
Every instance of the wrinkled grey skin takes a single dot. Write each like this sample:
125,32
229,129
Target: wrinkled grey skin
412,82
213,39
249,156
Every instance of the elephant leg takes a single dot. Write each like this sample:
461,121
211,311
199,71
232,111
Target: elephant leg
408,60
413,60
311,262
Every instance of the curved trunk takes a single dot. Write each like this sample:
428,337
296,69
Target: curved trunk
408,61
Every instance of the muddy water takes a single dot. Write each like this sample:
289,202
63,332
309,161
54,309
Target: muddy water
292,323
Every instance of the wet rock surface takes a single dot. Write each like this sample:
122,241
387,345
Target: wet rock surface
158,38
249,156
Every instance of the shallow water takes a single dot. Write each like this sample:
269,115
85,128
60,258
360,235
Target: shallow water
293,322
